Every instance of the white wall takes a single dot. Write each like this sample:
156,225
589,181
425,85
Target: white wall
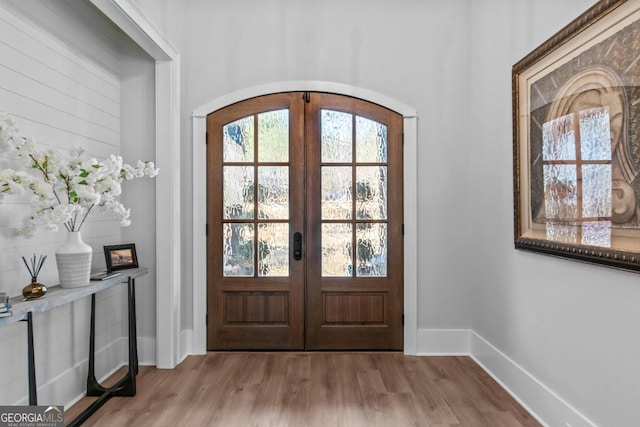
561,335
570,325
138,142
60,65
387,47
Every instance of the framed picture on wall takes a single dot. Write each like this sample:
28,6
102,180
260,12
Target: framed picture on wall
576,123
120,257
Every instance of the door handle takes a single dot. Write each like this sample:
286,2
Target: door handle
297,246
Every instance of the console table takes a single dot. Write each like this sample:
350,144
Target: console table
56,297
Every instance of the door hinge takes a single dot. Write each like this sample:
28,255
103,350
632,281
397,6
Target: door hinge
307,97
402,138
403,229
403,319
206,319
206,138
206,229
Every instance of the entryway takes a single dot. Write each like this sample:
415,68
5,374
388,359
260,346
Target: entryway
304,216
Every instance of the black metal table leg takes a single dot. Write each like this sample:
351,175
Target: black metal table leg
33,392
134,333
126,386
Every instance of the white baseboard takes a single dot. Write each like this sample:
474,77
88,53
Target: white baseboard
443,342
536,397
147,348
186,344
70,386
544,404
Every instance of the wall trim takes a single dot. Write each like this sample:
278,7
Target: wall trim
126,16
537,398
75,377
545,405
186,340
199,251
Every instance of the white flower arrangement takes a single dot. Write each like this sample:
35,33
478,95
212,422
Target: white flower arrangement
65,190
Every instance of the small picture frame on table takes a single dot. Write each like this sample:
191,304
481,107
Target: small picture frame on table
120,257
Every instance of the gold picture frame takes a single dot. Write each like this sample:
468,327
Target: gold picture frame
576,141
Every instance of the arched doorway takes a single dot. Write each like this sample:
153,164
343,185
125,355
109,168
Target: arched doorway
305,219
193,340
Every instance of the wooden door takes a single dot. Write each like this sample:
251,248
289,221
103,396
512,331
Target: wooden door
354,225
255,165
304,224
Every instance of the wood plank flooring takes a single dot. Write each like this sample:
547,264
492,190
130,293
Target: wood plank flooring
314,389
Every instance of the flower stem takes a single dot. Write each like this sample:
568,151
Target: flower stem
85,216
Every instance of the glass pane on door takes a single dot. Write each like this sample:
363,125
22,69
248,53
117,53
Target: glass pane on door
371,141
237,140
355,191
336,192
336,135
273,136
238,249
273,250
237,192
337,259
372,250
256,196
273,192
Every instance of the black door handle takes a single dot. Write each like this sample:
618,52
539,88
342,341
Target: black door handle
297,246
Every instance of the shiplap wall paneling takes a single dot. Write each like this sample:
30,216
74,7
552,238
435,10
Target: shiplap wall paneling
59,77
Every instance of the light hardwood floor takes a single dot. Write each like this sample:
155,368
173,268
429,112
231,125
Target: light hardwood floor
314,389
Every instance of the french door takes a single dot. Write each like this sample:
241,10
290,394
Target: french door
304,218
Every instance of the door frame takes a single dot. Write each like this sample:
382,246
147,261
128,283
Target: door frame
199,209
125,15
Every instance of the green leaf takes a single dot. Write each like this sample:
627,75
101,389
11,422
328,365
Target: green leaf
83,182
84,173
96,166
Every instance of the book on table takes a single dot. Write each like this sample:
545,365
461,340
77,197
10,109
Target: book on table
5,305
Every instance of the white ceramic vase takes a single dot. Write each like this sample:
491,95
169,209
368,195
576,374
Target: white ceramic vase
74,261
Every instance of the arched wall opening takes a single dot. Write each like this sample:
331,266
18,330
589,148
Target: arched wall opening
199,263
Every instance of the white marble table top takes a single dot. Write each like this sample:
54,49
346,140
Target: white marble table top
57,296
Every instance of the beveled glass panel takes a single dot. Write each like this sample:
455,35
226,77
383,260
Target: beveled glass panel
560,192
371,141
596,191
337,258
237,140
237,192
558,139
273,192
273,250
336,136
371,192
336,192
273,136
371,241
595,134
237,250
